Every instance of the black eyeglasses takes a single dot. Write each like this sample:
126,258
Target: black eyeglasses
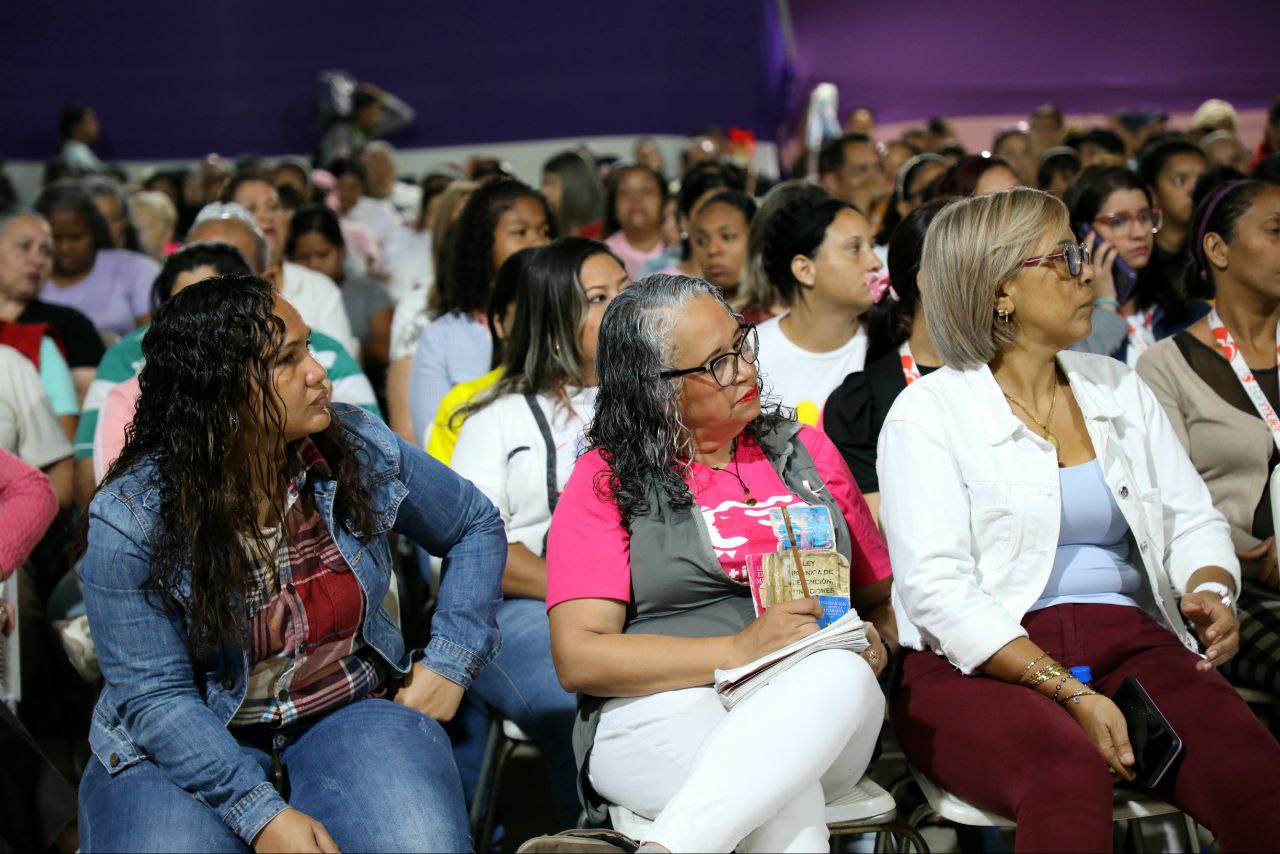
1076,255
724,368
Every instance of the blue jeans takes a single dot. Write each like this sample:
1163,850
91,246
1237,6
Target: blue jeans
378,776
522,686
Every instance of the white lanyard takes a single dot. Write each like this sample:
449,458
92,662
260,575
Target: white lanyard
1246,377
910,370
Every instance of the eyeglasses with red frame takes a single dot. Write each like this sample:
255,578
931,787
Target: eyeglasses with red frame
1074,255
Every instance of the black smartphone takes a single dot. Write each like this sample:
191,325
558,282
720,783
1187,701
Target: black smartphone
1155,745
1125,276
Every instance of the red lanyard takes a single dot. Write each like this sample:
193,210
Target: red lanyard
910,370
1246,377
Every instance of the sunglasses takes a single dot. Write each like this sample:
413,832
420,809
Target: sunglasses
1075,255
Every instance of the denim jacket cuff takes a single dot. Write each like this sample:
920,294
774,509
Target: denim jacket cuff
254,811
452,661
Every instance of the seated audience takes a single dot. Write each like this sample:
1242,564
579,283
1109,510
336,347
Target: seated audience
114,207
975,175
702,181
1013,146
1217,383
1170,169
413,312
519,444
913,185
1113,214
382,181
315,241
899,352
1224,148
29,429
272,672
849,168
819,256
501,217
646,609
313,294
1067,528
110,286
719,241
633,204
756,289
574,193
1057,170
355,203
223,237
155,217
408,259
26,246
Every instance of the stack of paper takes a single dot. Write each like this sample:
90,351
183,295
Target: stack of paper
849,632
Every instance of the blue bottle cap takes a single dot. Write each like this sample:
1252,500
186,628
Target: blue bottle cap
1083,673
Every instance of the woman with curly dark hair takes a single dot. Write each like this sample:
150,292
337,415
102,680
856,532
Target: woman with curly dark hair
684,463
258,692
501,218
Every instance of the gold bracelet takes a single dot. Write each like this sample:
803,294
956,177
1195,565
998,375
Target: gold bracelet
1032,664
1061,684
1077,695
1043,675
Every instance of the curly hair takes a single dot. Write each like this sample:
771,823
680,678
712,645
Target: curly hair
464,285
196,417
637,425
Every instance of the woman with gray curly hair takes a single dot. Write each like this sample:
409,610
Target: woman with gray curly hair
648,594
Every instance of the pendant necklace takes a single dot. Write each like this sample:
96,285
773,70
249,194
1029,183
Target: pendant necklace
1048,419
737,473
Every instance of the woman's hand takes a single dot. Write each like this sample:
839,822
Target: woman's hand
1265,553
430,693
1104,723
877,655
784,623
1104,256
1215,624
8,619
292,830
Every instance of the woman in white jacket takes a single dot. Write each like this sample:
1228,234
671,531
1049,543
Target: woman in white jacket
1041,516
518,445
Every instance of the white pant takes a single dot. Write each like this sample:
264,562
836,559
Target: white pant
756,778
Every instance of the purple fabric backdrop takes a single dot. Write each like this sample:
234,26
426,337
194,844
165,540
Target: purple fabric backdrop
911,61
239,76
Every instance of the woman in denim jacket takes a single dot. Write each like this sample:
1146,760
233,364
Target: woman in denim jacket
258,692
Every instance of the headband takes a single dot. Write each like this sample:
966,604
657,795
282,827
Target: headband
899,185
1204,224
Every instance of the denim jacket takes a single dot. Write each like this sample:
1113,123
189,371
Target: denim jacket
168,704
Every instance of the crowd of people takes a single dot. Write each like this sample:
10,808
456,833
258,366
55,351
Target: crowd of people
311,471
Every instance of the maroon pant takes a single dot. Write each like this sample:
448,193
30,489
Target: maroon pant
1014,752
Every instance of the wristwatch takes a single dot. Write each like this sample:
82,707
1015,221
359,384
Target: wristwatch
1219,589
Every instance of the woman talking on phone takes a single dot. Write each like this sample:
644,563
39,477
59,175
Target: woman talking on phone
1066,529
1113,214
258,692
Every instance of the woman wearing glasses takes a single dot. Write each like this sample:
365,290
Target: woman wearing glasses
1113,213
1066,529
647,592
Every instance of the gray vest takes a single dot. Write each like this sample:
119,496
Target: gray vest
680,589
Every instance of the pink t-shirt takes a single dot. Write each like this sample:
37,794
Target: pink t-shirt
632,259
588,550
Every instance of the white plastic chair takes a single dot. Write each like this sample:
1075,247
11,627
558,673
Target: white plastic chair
1130,805
867,808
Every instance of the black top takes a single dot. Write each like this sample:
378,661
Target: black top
83,343
1211,366
855,413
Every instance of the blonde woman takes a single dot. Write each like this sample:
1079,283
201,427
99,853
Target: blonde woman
1065,528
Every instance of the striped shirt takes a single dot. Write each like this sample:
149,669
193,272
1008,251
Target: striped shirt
124,360
306,653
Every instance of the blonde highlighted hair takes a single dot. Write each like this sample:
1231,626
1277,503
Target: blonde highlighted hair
974,246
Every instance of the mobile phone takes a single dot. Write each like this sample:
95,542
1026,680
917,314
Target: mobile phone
1155,744
1125,276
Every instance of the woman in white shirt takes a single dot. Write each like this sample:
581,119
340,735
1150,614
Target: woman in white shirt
819,256
518,444
1041,515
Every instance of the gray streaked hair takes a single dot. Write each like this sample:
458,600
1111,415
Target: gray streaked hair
973,247
222,211
8,215
638,427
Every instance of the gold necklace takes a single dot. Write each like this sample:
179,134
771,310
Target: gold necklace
1048,419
